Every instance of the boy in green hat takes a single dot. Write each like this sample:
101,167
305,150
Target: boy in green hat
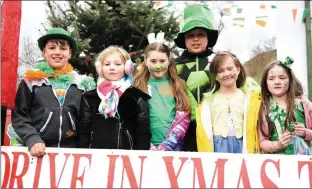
197,37
48,98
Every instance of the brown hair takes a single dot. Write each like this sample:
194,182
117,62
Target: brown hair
60,42
178,85
295,90
219,58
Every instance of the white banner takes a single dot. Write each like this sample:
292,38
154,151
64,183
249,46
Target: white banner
90,168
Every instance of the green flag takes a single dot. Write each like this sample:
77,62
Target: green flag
258,17
242,19
239,10
169,3
273,6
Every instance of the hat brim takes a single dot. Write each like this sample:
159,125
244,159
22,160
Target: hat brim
212,35
73,44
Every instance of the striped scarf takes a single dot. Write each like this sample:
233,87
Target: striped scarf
109,93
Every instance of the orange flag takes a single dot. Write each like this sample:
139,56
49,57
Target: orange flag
261,23
262,6
227,10
294,11
157,3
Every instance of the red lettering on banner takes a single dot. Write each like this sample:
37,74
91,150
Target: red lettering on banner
18,178
75,176
52,169
37,172
220,169
111,170
173,178
7,170
243,176
266,181
126,167
303,163
129,170
198,167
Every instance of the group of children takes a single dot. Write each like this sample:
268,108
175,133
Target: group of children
199,102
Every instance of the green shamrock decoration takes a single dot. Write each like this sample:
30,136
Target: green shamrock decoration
288,62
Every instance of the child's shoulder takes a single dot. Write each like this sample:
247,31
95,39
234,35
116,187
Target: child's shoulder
30,83
305,101
137,93
208,97
251,86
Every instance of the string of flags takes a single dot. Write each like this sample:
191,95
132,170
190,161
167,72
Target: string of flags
262,20
239,20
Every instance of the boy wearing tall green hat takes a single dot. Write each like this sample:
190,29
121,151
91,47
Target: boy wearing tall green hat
197,37
48,98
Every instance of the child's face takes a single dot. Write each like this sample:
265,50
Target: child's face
227,73
277,81
56,55
196,40
157,64
113,67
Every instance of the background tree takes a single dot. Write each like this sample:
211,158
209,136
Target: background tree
98,24
30,54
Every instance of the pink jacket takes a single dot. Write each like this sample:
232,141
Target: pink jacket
267,145
176,133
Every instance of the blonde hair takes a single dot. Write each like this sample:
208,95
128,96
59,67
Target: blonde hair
107,52
178,85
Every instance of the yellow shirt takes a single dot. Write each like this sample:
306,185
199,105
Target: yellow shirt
228,114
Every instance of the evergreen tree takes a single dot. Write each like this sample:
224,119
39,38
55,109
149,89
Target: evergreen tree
98,24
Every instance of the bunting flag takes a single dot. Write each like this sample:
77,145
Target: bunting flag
163,4
227,11
262,6
11,13
294,12
239,21
261,17
261,20
261,23
239,10
157,3
273,6
240,25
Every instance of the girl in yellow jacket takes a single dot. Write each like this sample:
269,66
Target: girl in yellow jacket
227,116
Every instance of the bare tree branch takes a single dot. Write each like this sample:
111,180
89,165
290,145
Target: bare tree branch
265,46
30,53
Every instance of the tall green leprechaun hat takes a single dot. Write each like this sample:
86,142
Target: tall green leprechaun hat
58,33
198,16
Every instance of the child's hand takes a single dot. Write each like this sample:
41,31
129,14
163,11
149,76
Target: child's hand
300,130
37,149
284,140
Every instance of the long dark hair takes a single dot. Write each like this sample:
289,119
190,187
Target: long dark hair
295,90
